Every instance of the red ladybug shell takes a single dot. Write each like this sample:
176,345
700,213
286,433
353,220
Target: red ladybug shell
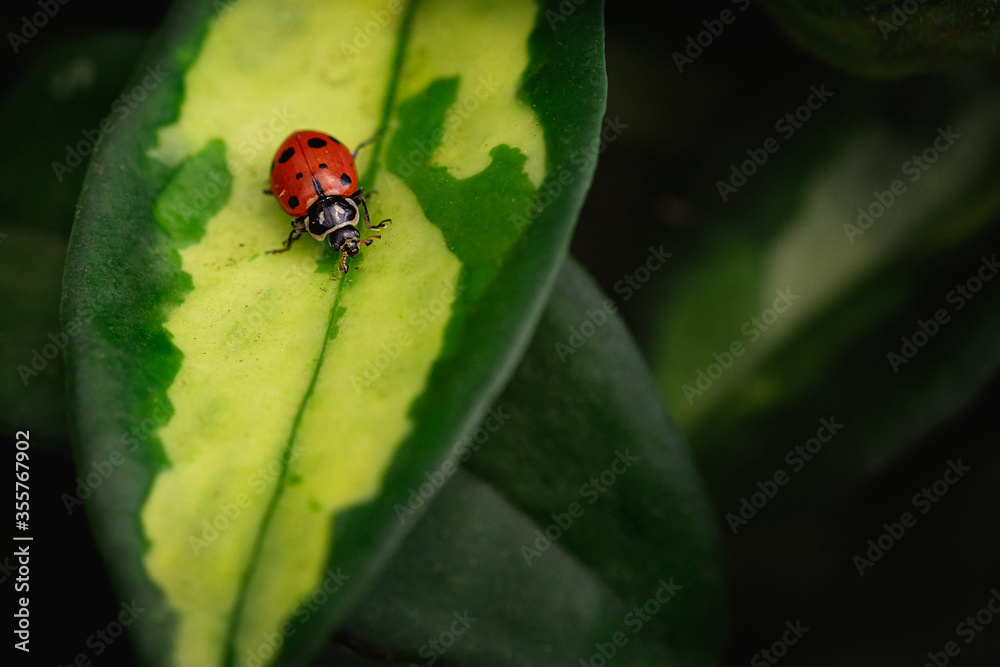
309,164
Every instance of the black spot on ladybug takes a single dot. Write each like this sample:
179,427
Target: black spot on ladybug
316,142
298,175
293,202
333,139
345,179
287,155
322,165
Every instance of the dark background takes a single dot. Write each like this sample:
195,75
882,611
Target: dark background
650,189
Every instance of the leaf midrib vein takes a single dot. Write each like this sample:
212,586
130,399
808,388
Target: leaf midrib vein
239,605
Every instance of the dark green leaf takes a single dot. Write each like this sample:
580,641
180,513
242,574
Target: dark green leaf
578,503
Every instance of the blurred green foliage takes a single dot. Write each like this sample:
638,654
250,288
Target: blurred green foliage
53,113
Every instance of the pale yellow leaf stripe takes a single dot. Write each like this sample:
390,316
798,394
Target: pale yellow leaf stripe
253,328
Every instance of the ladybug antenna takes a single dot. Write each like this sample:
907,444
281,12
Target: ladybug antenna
367,142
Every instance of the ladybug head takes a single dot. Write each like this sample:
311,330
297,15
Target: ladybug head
346,239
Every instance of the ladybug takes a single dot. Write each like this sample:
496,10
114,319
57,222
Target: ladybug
314,178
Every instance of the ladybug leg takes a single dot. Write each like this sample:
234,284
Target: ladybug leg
267,191
298,228
293,236
368,221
